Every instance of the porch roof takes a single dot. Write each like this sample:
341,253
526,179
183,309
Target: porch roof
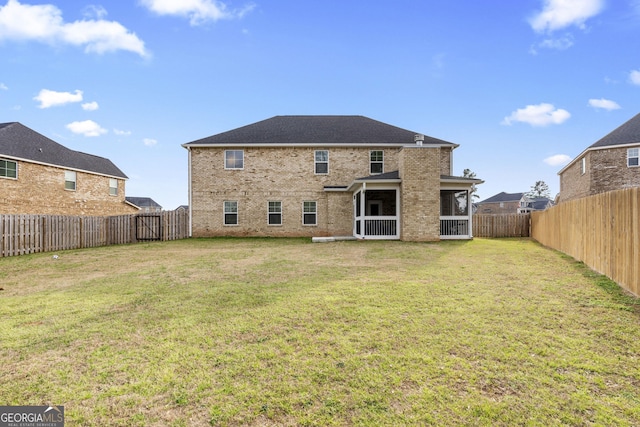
388,177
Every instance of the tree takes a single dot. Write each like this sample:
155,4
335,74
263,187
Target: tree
538,190
467,173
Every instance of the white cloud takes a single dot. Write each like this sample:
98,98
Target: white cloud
604,104
558,14
122,132
557,160
538,115
50,98
149,142
634,77
44,23
90,106
86,128
3,86
198,11
94,11
562,43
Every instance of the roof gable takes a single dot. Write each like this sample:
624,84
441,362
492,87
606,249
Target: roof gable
627,133
20,142
143,202
317,130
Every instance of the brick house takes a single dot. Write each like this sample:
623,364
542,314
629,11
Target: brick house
510,203
327,176
40,176
146,204
611,163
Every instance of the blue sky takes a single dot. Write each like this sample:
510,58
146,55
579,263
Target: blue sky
523,86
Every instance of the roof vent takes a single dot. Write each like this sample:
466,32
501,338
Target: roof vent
419,139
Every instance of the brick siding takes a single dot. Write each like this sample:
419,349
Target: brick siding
286,174
40,189
606,170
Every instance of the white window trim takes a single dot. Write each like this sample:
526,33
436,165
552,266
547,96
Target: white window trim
371,162
226,167
314,213
225,213
316,162
269,213
10,177
111,181
75,180
637,156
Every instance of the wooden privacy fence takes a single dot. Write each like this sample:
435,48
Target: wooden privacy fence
603,231
501,225
26,234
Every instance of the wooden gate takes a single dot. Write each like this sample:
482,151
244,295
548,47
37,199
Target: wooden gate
148,227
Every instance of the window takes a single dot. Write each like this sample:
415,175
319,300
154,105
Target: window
113,187
231,213
234,159
309,213
8,169
322,162
70,180
275,213
633,157
583,167
376,162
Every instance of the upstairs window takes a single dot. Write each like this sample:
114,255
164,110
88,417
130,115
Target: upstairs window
8,169
234,159
309,213
231,213
633,157
113,187
70,180
583,166
376,162
275,213
322,162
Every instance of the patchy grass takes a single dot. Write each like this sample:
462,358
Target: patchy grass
262,332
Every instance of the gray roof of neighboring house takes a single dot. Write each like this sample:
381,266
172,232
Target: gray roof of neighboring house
317,130
19,142
143,202
540,203
503,197
627,133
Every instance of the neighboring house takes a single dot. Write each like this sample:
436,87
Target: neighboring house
327,176
509,203
611,163
40,176
182,208
502,203
145,204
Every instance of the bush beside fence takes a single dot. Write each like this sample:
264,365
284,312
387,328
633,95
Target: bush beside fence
501,225
602,230
25,234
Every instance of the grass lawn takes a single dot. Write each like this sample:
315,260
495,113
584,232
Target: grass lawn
266,332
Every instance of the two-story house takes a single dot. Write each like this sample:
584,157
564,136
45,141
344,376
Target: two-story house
611,163
510,203
327,176
40,176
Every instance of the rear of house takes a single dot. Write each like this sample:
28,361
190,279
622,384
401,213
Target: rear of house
319,176
40,176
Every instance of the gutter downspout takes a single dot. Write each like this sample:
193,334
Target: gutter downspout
190,196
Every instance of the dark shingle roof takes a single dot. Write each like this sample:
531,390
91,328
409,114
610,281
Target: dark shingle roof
317,130
627,133
20,142
143,202
503,197
381,176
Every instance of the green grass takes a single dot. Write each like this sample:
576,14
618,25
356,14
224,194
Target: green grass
263,332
